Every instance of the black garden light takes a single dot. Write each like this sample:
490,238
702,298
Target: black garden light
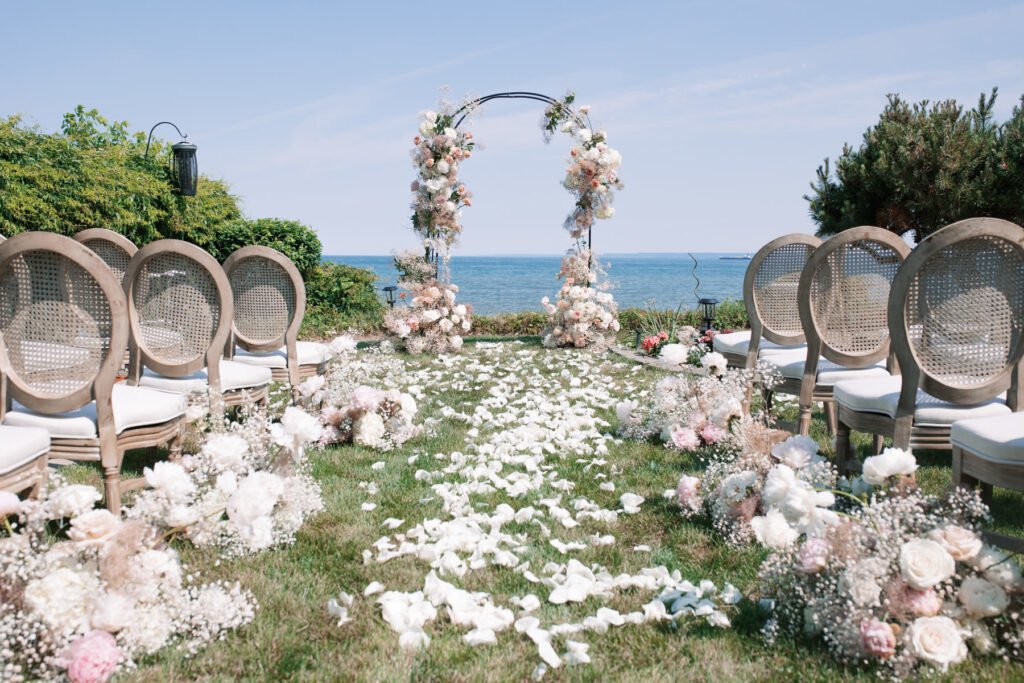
389,292
186,170
707,307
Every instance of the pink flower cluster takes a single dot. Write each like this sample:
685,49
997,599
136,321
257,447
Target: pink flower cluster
583,314
432,321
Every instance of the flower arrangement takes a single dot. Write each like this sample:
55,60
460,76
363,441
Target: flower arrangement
903,581
246,489
84,592
438,196
592,173
584,314
372,418
773,489
688,411
433,321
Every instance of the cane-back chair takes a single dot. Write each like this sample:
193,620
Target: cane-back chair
843,302
115,249
769,294
270,301
64,325
956,320
180,310
23,459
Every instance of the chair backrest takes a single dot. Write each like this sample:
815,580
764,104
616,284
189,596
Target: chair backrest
844,295
956,313
269,297
63,324
770,291
115,249
180,309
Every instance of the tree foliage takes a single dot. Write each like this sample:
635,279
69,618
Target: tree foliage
298,241
924,166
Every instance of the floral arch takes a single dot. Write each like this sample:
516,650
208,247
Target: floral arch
584,312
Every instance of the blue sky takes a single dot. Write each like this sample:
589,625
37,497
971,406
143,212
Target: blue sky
722,111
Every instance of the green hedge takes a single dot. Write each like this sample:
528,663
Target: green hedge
93,174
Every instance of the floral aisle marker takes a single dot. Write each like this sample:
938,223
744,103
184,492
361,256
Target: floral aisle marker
584,314
523,450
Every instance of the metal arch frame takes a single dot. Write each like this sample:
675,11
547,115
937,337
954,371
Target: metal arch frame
184,136
470,107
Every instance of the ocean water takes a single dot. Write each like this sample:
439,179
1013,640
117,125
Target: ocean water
506,284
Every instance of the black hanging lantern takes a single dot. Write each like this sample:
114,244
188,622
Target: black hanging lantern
707,307
389,292
186,170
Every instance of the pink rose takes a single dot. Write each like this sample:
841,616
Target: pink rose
924,603
813,555
877,638
93,658
685,439
711,433
687,489
366,398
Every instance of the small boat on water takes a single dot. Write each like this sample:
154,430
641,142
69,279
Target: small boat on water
745,257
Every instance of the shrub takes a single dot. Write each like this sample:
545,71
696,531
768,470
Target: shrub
293,239
339,296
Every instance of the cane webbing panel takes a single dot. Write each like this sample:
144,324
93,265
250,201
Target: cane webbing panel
113,255
55,320
775,288
264,297
850,296
178,307
964,310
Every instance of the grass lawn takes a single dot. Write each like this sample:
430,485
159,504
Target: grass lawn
293,637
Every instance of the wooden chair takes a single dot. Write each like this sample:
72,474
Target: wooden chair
115,249
64,324
989,451
270,301
23,459
180,310
843,302
770,297
956,319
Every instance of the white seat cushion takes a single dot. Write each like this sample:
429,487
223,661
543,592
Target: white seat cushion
132,406
738,343
997,439
310,353
828,372
21,445
882,394
233,375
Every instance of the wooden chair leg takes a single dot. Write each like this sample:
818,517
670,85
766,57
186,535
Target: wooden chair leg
174,445
842,447
831,416
112,488
877,443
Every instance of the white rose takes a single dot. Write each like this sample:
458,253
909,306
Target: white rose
734,488
369,430
461,309
256,497
982,598
796,451
860,585
625,409
71,501
998,567
773,530
924,563
227,451
408,406
112,611
95,527
172,480
780,480
430,316
446,325
714,362
456,341
937,640
61,598
891,462
674,354
963,544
